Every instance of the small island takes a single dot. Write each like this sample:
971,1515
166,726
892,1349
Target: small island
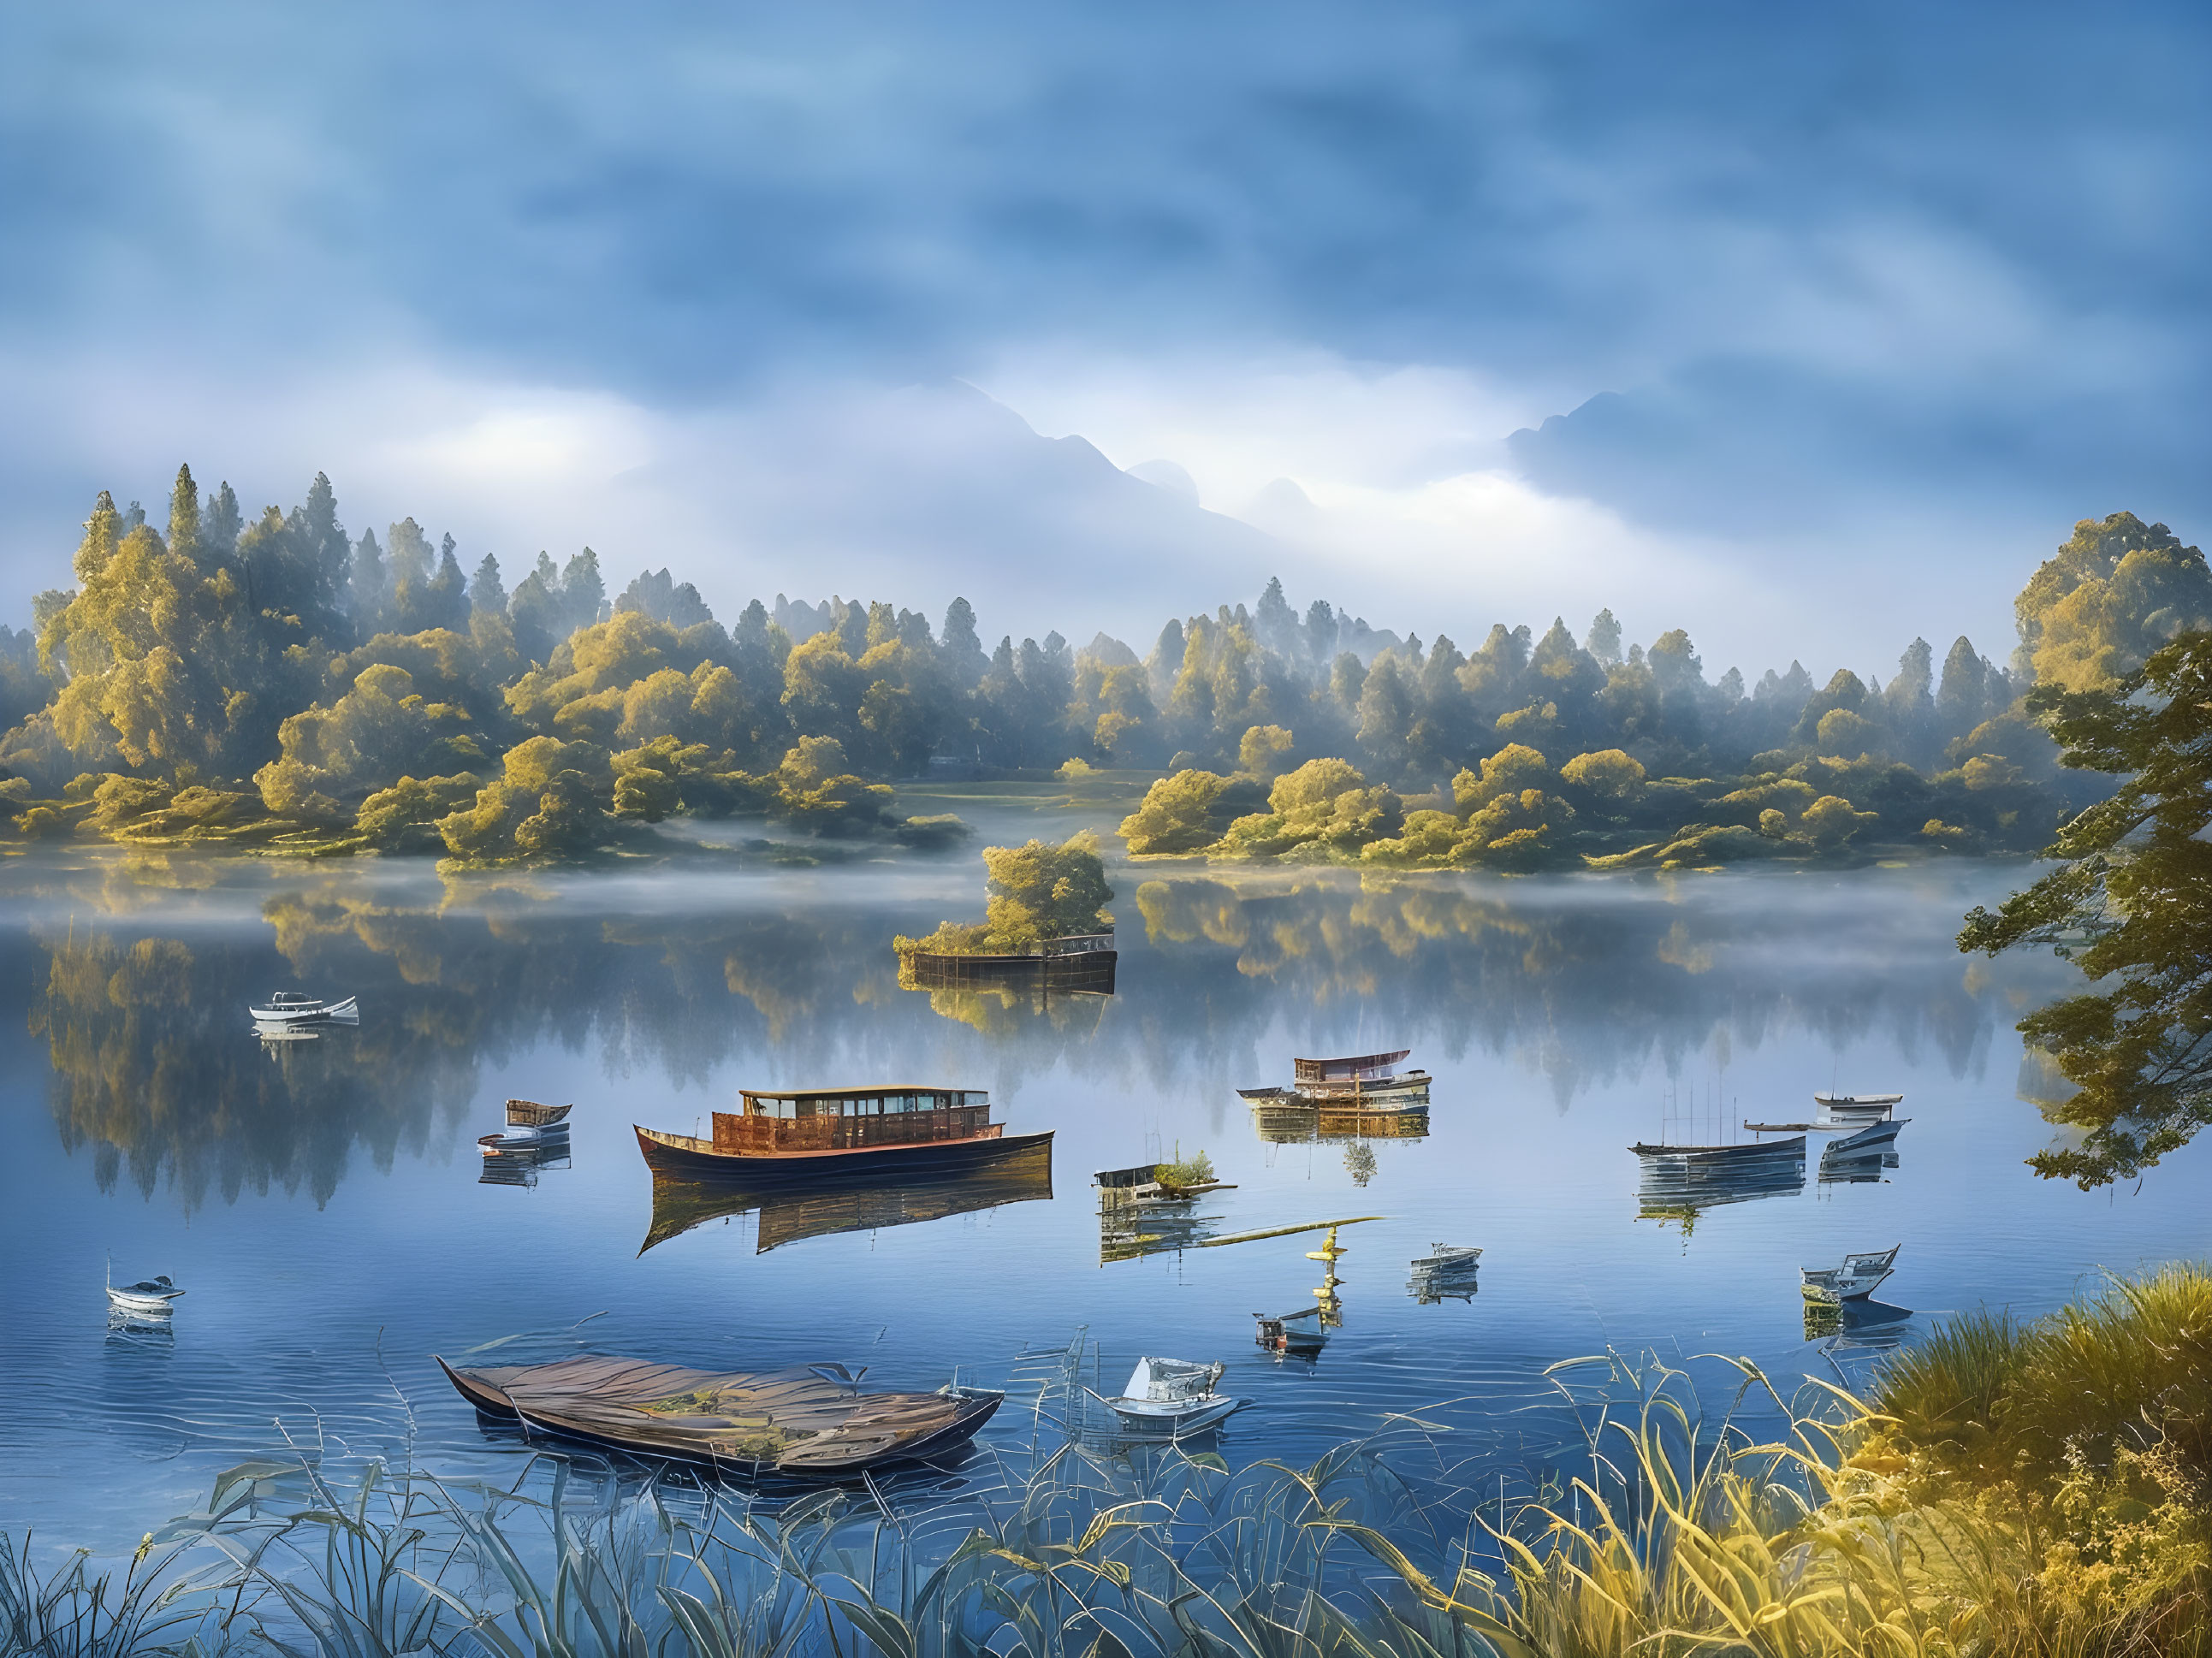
1045,924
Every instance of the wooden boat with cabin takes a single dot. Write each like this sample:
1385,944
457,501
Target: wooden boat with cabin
812,1421
829,1203
917,1130
1357,1079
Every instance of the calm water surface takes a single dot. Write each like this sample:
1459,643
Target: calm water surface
322,1201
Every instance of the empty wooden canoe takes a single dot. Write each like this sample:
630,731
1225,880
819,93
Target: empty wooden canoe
810,1421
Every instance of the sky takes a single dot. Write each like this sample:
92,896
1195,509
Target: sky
1807,328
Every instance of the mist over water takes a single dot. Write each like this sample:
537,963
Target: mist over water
321,1203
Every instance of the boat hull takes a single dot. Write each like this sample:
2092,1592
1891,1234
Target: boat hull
1141,1418
678,1154
809,1423
145,1306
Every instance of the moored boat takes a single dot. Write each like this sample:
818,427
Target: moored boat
1361,1078
1857,1105
1875,1137
810,1421
1171,1398
1299,1333
148,1296
921,1130
291,1007
1855,1279
528,1114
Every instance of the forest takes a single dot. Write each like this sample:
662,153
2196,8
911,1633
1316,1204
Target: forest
282,685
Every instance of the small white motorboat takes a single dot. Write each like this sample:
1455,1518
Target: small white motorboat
291,1007
1854,1280
1857,1105
1171,1397
147,1297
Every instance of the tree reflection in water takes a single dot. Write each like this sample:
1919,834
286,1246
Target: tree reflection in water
155,1068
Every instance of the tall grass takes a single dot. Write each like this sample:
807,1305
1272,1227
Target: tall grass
2016,1489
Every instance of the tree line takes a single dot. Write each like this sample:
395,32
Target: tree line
283,681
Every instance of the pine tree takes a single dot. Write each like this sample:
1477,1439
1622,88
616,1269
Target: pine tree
1603,640
485,591
185,516
369,588
220,523
583,591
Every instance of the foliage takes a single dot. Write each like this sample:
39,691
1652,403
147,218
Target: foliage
2128,902
320,670
1038,892
2094,612
1187,812
1844,1531
1196,1170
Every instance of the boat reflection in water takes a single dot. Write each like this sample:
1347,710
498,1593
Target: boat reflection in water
1680,1182
1862,1158
1361,1097
792,1207
1864,1326
1448,1273
517,1162
1300,1123
1138,1215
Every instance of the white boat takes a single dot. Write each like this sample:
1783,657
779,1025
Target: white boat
1857,1105
1171,1397
148,1296
1854,1280
290,1007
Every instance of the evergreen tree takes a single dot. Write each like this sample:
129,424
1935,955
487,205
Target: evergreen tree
220,523
583,591
1321,631
320,543
486,592
446,600
1603,640
369,588
961,647
185,516
1962,702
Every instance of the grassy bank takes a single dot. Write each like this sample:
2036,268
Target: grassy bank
2010,1488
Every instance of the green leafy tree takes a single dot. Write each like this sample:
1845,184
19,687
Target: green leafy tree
2093,613
1040,891
2131,901
1188,811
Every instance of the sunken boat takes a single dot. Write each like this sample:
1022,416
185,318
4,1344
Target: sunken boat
810,1421
866,1202
920,1133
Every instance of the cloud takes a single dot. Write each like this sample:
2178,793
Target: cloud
1786,303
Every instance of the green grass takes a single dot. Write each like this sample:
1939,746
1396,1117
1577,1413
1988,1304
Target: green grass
2014,1489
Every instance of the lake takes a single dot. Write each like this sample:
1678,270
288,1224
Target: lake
324,1204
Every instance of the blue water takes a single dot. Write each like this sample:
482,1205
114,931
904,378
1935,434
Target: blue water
321,1203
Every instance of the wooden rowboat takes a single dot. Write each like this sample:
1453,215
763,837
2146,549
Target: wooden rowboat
808,1422
528,1114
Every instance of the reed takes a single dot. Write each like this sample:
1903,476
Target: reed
2035,1489
73,1611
